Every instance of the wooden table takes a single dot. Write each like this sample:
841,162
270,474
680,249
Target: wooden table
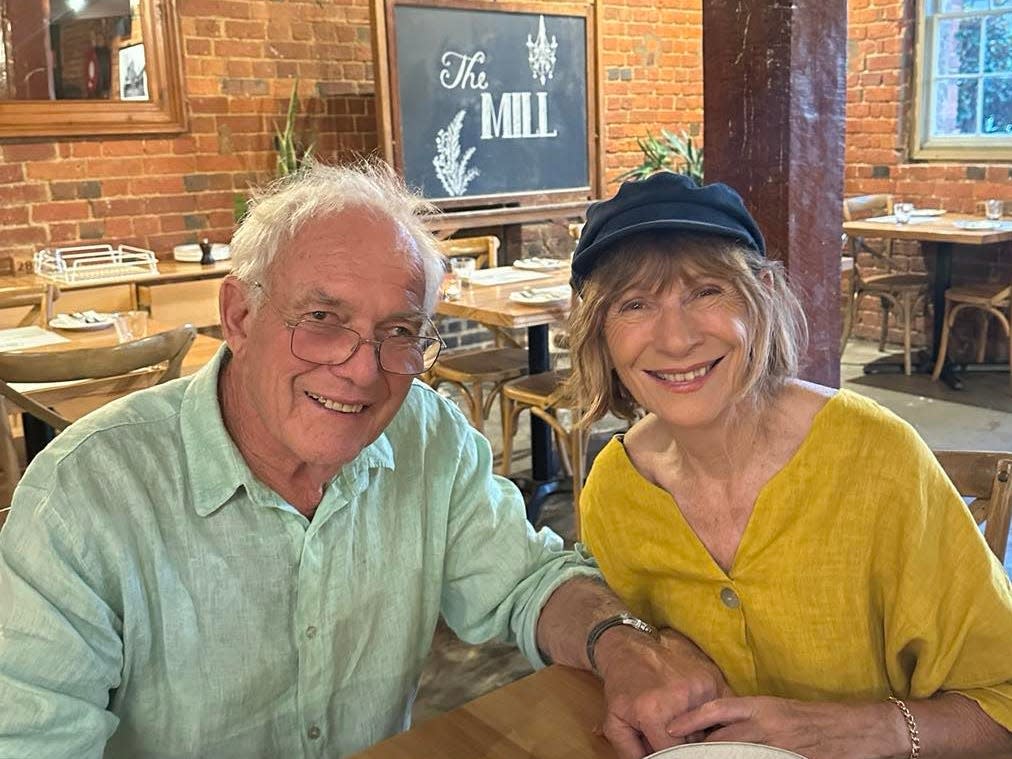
490,305
548,715
76,398
178,292
938,237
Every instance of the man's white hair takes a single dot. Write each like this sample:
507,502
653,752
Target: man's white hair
278,211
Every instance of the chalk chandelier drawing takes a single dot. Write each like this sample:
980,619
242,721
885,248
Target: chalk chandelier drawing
541,53
450,165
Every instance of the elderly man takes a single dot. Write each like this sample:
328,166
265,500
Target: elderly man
250,562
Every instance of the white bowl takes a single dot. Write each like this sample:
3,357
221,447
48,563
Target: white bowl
724,750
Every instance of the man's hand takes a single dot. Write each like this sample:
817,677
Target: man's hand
817,730
647,685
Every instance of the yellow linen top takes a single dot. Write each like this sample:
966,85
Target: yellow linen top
860,574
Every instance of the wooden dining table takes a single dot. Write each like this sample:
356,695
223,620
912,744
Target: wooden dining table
553,714
939,238
491,305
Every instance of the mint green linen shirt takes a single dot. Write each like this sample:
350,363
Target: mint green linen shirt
157,600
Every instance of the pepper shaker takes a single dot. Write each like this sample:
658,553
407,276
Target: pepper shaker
206,259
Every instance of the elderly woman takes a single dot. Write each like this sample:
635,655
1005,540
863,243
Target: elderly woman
804,537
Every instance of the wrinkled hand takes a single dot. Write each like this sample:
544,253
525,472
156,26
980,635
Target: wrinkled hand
817,730
647,685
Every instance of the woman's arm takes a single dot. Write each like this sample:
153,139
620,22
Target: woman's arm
948,725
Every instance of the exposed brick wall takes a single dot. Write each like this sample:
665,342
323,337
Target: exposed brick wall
240,59
879,96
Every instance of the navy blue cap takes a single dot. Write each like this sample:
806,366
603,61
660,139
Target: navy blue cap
663,201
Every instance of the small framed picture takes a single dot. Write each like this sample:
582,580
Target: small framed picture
133,77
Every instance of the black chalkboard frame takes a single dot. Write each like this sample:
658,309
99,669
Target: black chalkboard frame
388,106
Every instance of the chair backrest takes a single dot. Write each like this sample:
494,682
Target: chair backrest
483,249
863,207
986,477
92,363
36,298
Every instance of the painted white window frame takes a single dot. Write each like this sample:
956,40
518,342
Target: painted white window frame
950,147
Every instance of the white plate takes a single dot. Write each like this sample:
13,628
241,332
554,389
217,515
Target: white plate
982,224
724,750
541,264
542,296
192,253
928,212
66,321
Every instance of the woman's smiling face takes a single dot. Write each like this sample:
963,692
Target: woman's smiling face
679,346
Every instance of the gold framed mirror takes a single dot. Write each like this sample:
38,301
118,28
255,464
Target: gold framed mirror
90,67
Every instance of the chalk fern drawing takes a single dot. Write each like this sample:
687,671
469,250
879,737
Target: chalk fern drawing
450,165
541,53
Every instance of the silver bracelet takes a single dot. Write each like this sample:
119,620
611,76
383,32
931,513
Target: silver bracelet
915,736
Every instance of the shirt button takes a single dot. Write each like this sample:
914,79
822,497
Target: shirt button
313,732
310,632
730,598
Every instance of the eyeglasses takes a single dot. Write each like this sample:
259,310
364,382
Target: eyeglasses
319,339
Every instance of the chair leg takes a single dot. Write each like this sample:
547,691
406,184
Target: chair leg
848,319
475,396
985,322
510,413
907,308
577,455
944,346
884,331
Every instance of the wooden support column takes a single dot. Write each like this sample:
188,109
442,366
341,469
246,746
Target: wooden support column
774,75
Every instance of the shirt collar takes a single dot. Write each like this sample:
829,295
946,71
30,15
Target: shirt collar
215,469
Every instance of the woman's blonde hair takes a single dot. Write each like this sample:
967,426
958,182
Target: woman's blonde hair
654,260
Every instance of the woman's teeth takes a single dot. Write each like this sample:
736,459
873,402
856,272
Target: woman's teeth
334,405
684,376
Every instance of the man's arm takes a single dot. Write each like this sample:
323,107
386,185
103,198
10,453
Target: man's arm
60,652
647,683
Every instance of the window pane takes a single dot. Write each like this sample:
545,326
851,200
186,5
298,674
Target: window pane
959,46
955,107
998,47
951,6
997,105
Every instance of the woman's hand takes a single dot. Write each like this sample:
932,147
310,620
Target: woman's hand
817,730
646,685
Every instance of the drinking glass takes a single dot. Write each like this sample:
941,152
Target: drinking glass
131,325
902,212
462,268
993,209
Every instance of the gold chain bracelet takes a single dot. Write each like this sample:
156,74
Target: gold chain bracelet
915,736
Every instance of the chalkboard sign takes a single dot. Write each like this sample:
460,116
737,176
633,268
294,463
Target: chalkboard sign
490,102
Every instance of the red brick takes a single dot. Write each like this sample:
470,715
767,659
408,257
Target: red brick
29,151
64,211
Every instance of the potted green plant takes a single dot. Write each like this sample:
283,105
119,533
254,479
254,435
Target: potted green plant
291,155
669,152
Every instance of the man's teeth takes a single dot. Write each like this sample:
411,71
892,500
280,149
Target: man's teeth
684,376
335,406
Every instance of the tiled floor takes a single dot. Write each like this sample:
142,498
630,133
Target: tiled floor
978,417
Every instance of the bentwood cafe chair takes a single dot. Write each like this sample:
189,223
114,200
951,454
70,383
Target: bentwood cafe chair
165,351
479,374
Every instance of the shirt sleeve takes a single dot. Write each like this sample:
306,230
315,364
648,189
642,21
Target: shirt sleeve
947,601
499,572
61,650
